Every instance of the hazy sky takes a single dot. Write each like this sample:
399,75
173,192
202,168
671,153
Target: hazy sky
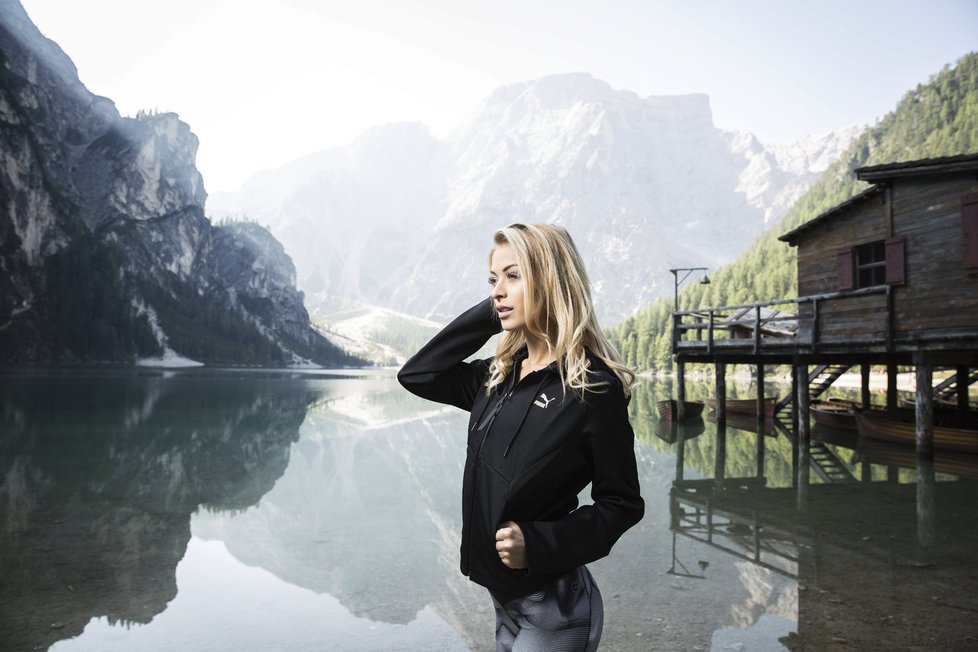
262,82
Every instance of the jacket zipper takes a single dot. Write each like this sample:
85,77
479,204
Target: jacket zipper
485,425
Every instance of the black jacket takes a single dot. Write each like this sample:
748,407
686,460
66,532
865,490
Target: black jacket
532,448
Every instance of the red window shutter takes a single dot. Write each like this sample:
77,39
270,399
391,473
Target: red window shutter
895,263
844,271
969,223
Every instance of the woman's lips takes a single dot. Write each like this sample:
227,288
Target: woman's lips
503,312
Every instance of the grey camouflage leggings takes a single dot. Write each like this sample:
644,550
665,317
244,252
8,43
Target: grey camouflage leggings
567,616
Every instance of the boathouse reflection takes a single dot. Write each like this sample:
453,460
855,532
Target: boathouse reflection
877,550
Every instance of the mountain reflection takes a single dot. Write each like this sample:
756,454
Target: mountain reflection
101,473
368,511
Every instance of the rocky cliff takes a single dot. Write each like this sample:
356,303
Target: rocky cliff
105,251
643,184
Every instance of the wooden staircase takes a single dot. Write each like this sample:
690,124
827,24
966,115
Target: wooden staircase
819,380
827,465
949,388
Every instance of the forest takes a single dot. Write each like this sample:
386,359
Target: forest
939,118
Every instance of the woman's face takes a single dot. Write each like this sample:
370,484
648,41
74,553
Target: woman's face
506,283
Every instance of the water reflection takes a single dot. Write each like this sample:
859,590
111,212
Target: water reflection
882,545
301,514
101,474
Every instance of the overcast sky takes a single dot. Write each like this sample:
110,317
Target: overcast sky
262,82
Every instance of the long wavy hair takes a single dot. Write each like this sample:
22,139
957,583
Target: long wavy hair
558,308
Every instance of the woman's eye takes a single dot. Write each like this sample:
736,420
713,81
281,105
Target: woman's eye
492,281
513,276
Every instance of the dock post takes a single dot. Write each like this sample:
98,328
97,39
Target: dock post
721,393
760,399
794,403
866,399
891,386
680,391
962,393
804,430
925,404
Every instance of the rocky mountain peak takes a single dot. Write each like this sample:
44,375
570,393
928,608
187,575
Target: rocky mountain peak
105,252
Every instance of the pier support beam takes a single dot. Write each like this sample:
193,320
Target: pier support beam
721,393
962,393
680,391
866,399
891,386
804,431
794,403
760,400
925,404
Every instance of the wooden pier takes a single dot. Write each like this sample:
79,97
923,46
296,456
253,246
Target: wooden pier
888,278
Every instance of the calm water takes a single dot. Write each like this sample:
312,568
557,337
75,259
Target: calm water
206,510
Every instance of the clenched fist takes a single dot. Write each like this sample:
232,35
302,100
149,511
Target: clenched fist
510,545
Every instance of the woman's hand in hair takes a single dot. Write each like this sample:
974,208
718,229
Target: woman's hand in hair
510,546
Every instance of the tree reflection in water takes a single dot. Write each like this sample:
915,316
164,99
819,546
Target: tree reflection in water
101,474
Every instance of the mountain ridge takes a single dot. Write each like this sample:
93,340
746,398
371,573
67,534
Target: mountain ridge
106,253
613,167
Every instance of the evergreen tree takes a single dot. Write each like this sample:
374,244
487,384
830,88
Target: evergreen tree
939,118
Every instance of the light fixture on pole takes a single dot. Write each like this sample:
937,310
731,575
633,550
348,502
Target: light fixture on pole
678,281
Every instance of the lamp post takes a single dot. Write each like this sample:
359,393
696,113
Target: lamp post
680,373
678,281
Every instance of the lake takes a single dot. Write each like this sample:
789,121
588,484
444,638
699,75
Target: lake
226,510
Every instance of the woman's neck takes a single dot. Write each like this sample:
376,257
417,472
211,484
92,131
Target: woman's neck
537,352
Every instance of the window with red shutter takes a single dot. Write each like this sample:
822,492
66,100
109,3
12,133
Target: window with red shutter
895,261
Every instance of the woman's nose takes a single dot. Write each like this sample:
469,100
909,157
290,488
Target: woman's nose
497,290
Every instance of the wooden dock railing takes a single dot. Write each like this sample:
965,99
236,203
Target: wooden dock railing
802,324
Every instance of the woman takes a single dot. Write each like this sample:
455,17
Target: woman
548,417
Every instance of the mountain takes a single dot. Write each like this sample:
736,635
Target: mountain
401,220
105,250
939,118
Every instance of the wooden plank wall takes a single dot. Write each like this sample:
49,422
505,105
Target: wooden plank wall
939,293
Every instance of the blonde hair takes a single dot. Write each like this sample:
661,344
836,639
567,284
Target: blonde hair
558,308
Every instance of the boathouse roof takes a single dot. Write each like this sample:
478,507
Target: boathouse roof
878,175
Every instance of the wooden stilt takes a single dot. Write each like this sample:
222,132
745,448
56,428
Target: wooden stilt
802,398
721,393
760,399
925,404
794,403
680,391
866,399
804,431
891,386
962,393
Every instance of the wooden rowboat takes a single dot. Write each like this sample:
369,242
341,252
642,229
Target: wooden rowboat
834,414
667,409
745,406
876,424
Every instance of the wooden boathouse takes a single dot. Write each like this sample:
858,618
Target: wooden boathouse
886,278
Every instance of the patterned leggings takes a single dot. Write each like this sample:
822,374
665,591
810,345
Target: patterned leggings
567,616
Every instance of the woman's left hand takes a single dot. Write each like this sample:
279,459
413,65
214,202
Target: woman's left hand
510,545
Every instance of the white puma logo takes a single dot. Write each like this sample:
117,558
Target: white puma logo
544,403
